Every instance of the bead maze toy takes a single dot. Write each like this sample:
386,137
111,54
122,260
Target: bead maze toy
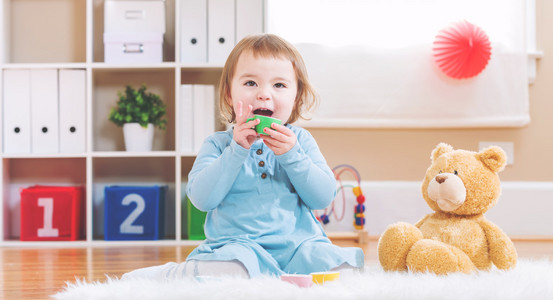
360,234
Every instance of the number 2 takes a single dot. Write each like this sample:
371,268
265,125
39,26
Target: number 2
127,225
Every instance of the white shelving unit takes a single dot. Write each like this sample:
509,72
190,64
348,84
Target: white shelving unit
68,34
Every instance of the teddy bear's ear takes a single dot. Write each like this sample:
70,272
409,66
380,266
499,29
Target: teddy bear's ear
494,157
439,150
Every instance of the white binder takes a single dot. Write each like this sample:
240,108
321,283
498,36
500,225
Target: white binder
4,32
193,26
186,115
199,116
72,103
249,18
209,102
44,111
221,35
204,113
17,111
1,116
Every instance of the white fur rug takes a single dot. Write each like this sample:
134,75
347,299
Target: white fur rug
531,279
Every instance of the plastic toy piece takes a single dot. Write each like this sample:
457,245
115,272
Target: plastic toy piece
322,277
265,122
359,209
357,191
304,281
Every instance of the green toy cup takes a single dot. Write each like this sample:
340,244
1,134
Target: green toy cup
265,122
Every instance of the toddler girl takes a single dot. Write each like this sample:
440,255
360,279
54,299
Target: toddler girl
259,190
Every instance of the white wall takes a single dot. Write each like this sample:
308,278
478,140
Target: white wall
524,208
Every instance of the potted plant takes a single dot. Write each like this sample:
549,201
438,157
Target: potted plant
138,112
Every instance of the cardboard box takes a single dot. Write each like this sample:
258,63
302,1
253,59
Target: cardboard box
133,47
134,16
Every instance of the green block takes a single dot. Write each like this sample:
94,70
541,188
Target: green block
195,220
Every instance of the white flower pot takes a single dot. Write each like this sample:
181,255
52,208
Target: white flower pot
138,138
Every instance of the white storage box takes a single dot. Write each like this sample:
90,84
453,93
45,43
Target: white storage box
133,47
134,16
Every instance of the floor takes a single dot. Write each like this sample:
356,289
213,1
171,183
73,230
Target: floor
31,273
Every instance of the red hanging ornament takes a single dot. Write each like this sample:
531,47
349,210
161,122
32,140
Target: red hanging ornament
462,50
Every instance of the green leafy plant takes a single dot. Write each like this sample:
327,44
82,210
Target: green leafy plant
139,106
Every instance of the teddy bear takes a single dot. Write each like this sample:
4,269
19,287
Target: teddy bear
459,186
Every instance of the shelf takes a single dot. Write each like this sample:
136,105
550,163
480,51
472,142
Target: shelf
114,66
169,38
97,154
20,173
188,154
133,171
68,34
43,155
45,31
199,76
133,154
107,83
134,67
45,65
201,67
99,243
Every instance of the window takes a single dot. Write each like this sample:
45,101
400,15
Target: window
371,61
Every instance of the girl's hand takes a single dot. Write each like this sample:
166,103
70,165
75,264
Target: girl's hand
280,139
243,132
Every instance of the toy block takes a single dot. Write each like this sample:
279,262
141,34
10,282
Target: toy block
52,213
195,222
134,212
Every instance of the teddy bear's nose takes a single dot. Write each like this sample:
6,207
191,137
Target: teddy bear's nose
441,178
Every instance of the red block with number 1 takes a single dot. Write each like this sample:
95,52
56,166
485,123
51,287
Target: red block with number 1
52,213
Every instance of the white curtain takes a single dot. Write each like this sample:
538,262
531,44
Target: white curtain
371,62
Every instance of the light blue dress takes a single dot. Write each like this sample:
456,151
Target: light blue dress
259,206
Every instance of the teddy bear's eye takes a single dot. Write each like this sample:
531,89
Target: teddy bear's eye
455,172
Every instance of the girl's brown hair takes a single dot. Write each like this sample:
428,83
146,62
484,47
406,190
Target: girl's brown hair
266,45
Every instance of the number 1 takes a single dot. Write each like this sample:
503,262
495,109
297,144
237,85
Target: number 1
47,229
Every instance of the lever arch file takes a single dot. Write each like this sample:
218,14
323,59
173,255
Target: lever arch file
72,96
17,111
44,111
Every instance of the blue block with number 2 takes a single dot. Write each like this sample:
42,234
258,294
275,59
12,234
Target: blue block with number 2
134,212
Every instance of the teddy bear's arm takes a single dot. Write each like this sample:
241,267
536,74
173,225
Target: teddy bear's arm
501,249
421,221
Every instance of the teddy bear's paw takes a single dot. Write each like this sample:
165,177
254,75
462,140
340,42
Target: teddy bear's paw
439,258
394,245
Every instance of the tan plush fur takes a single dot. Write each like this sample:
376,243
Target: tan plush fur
460,186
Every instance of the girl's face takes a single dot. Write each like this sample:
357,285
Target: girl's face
268,84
